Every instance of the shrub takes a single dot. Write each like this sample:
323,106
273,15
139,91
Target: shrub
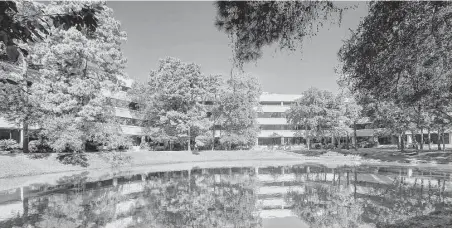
73,159
8,145
317,145
329,146
39,146
145,145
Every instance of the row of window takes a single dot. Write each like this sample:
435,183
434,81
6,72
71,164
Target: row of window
276,103
282,127
271,115
301,127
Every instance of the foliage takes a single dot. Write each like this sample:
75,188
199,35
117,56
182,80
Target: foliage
76,67
252,25
314,111
8,145
39,146
400,57
73,159
25,21
173,101
203,141
236,110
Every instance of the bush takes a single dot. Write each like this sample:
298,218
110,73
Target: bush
145,145
317,146
8,145
329,146
365,144
37,146
73,159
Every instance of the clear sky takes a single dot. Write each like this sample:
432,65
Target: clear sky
186,30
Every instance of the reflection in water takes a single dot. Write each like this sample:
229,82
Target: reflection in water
313,196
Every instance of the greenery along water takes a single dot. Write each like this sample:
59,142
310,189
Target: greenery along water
304,195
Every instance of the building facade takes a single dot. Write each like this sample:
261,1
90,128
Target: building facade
274,128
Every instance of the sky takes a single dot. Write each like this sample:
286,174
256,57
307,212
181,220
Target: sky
185,30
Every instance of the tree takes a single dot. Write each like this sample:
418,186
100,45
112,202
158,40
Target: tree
236,110
76,67
311,111
173,101
252,25
24,22
401,54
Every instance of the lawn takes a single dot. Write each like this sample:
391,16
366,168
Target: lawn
391,154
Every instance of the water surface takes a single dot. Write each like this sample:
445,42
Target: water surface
306,195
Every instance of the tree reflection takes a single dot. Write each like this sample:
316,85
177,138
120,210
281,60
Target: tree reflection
323,205
198,202
225,198
331,204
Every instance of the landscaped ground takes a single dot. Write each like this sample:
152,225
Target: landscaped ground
392,154
16,165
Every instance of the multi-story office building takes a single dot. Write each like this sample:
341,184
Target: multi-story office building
271,117
273,124
275,129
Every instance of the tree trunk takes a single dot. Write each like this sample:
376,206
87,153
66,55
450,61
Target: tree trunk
25,141
213,137
347,141
308,143
398,144
443,140
355,136
414,139
429,138
438,140
401,138
421,139
188,142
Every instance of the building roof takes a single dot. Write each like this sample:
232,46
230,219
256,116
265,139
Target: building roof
273,97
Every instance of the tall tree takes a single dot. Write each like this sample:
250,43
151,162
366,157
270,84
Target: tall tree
23,23
173,101
313,111
237,110
401,54
76,67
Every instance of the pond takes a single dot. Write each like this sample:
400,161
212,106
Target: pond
305,195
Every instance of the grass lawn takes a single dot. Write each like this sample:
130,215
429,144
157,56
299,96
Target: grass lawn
19,164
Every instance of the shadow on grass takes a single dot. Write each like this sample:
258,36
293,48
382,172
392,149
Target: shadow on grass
437,219
407,156
38,155
389,154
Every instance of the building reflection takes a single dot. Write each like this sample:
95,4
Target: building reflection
232,197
